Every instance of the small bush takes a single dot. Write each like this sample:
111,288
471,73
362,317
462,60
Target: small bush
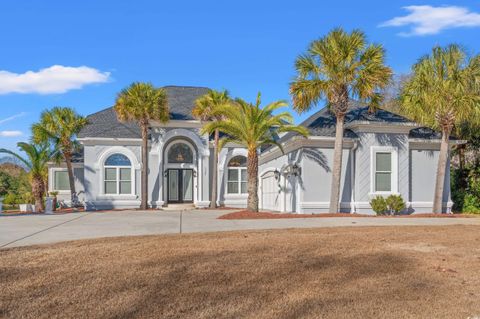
379,205
395,204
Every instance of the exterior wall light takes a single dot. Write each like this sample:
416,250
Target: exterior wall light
277,174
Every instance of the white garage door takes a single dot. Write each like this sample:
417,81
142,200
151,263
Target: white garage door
270,194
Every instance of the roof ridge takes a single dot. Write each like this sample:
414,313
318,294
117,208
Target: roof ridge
186,86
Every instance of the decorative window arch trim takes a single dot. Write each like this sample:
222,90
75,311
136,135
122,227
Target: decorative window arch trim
120,150
202,149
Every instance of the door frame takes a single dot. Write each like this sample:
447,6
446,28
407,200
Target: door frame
180,185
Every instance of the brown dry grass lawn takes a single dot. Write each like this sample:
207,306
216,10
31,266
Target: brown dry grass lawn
381,272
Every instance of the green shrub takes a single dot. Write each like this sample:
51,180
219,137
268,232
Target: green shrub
395,204
10,199
379,205
465,186
471,204
27,198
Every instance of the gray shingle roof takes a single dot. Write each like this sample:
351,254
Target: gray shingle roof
181,100
322,123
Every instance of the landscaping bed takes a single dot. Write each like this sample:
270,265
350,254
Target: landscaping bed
246,214
368,272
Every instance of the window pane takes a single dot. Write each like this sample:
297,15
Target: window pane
187,185
232,175
117,160
383,182
180,153
238,161
232,187
244,187
244,175
61,182
383,162
110,187
110,174
125,187
125,174
173,185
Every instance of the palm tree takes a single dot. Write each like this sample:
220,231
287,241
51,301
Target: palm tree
142,103
36,162
339,67
443,93
204,110
60,126
252,127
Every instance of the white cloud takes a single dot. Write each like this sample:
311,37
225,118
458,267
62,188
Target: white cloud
11,118
425,20
54,79
10,133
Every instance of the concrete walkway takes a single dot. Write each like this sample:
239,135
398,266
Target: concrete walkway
42,229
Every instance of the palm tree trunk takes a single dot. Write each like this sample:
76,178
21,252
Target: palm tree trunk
144,187
71,179
213,200
337,165
38,191
252,172
441,169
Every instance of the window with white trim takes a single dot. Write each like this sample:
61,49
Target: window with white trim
117,175
383,171
237,175
60,180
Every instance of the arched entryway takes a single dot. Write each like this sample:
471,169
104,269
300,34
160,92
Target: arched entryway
180,158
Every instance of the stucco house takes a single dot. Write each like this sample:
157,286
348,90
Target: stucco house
384,153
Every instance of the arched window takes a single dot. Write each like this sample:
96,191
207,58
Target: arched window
180,153
237,175
118,175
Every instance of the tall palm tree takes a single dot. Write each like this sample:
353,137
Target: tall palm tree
252,127
204,110
38,155
339,67
443,92
142,103
60,126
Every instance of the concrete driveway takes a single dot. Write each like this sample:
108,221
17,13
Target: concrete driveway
42,229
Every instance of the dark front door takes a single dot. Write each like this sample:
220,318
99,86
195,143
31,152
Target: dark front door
180,186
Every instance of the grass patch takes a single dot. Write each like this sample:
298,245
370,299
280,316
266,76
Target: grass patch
367,272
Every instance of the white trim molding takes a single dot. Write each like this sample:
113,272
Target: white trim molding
321,207
394,173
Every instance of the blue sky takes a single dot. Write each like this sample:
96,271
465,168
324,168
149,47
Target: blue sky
81,53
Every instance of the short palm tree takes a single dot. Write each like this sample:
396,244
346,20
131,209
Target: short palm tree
142,103
443,92
60,126
204,110
252,127
339,67
38,156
